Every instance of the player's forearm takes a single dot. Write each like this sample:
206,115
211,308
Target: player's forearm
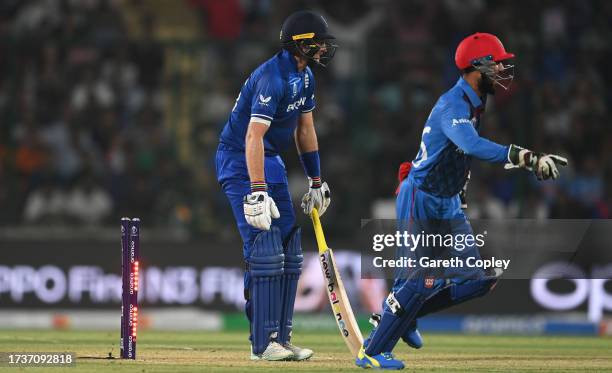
468,140
308,148
486,150
306,138
254,153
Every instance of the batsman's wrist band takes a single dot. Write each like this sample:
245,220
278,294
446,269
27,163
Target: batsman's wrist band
315,182
311,163
259,186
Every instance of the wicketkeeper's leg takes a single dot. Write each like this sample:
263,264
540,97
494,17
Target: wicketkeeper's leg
457,292
401,310
463,283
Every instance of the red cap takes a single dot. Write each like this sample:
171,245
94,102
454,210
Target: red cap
477,46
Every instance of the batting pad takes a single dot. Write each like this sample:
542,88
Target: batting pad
400,310
266,269
293,270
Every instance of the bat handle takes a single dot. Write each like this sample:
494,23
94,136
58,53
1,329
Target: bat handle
316,223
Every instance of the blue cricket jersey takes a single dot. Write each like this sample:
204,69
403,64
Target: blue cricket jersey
275,94
450,139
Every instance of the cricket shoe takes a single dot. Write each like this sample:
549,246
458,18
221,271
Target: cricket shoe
385,360
299,353
274,352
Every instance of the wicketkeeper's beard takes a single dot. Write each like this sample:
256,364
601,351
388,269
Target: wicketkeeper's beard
486,85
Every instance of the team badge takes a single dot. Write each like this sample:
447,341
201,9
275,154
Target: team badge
429,282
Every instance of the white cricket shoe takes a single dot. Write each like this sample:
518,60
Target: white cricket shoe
299,353
274,352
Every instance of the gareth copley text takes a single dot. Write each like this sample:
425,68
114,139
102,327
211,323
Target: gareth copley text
427,262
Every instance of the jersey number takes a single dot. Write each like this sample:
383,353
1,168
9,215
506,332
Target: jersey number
422,155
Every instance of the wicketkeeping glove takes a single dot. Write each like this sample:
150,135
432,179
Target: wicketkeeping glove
318,196
543,165
259,210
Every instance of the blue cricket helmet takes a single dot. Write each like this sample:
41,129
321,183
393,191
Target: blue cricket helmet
306,33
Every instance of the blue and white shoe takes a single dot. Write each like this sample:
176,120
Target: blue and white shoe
384,360
412,337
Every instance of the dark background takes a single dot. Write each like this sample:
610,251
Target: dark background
113,108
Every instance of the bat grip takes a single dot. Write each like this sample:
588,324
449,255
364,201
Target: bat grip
316,223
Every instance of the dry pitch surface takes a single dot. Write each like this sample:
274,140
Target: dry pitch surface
228,352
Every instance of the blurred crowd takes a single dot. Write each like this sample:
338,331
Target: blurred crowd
83,106
82,137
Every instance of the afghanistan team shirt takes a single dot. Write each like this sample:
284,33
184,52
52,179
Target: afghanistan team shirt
450,139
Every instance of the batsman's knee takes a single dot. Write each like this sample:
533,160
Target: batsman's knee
266,254
293,252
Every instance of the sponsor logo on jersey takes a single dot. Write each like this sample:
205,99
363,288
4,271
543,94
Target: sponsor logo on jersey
461,121
297,104
264,100
294,82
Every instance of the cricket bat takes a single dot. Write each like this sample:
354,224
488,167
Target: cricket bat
341,307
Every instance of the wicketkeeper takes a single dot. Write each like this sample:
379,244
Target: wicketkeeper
429,198
275,106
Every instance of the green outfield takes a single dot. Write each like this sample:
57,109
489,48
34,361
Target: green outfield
229,351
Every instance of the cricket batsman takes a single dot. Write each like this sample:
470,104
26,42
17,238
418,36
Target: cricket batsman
429,198
275,106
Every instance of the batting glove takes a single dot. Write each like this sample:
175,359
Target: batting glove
543,165
318,197
259,210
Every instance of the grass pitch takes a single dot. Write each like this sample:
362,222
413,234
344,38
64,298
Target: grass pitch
229,352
